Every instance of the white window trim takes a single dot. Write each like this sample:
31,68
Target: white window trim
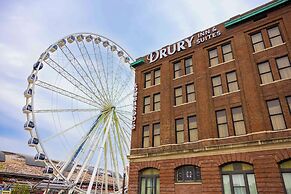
183,76
184,103
276,81
226,93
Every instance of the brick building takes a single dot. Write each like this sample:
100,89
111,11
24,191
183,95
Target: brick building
213,110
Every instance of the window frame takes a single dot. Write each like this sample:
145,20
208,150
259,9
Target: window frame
265,72
216,86
146,105
211,58
223,54
143,136
254,43
180,96
176,131
284,171
230,82
156,102
192,129
283,67
149,80
179,70
189,93
155,135
188,67
282,113
237,172
270,38
157,77
196,173
242,120
289,105
152,177
218,124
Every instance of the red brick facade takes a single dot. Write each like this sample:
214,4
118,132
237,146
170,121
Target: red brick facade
261,146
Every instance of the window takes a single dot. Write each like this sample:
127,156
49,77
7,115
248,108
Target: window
156,137
288,98
284,67
232,84
213,57
265,72
227,52
276,114
221,123
178,96
275,36
146,136
146,104
190,93
258,43
238,177
149,181
179,127
157,102
238,121
147,79
188,173
285,168
217,86
157,76
177,69
192,128
188,66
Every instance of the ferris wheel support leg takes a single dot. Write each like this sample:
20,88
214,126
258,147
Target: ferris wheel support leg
106,127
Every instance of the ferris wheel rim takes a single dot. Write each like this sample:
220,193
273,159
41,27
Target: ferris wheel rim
41,148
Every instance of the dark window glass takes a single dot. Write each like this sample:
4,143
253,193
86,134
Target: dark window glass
188,173
288,98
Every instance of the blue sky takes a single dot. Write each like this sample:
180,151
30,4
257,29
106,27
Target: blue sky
29,27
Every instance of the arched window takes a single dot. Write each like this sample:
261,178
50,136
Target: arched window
149,181
238,177
188,173
286,174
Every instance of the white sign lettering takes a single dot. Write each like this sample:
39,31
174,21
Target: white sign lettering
134,107
183,44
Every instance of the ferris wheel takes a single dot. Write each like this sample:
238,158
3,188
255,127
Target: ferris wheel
79,107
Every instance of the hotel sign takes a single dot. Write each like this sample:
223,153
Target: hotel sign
201,37
134,107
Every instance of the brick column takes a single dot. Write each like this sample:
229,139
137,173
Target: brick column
211,179
133,179
167,182
267,174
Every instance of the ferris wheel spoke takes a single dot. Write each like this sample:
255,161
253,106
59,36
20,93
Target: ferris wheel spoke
91,68
68,129
61,71
121,89
66,110
97,72
122,98
66,93
82,73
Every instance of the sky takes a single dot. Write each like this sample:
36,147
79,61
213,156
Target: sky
28,28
